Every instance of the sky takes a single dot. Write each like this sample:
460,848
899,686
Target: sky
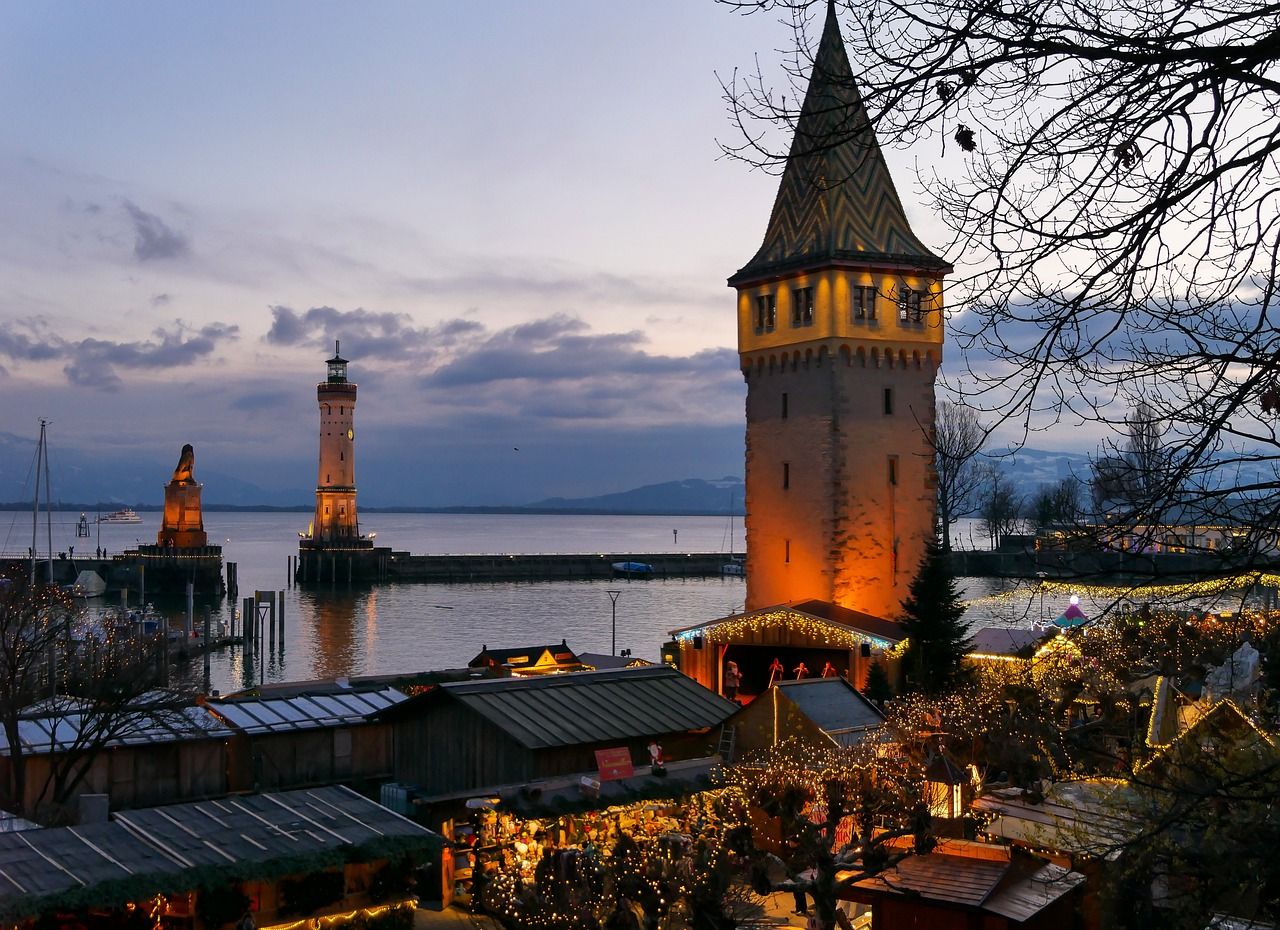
514,216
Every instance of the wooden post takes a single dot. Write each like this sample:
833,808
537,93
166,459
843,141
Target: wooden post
281,619
208,646
349,560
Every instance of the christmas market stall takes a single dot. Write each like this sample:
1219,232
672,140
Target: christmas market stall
816,711
808,639
476,735
323,858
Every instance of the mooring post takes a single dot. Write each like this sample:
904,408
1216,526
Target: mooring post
208,647
280,597
349,561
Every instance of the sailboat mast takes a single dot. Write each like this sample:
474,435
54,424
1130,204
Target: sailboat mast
48,506
35,504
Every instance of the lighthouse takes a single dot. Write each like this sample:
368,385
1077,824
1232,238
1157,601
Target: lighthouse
335,524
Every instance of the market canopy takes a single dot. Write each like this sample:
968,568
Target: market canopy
840,626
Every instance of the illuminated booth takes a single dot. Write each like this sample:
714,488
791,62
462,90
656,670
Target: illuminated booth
806,639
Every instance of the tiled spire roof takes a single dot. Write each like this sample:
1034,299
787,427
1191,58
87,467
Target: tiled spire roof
836,199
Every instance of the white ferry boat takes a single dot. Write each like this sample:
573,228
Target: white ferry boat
124,515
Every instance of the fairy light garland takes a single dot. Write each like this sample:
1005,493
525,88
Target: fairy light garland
789,621
360,913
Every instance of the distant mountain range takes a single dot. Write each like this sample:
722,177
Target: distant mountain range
88,483
692,495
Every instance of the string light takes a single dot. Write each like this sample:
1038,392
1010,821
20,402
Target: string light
735,628
362,913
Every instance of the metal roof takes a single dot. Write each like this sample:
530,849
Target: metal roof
834,705
161,841
591,707
265,826
303,711
63,732
43,862
1002,641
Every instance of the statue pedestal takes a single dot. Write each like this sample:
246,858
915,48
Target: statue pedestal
183,526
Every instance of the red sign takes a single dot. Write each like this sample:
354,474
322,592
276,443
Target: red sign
614,763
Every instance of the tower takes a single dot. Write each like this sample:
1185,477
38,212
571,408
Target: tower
335,520
839,336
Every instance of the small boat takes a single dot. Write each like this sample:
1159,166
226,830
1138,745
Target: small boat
124,515
632,569
734,568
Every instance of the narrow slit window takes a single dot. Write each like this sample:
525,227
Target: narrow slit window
893,470
786,550
786,476
784,405
888,401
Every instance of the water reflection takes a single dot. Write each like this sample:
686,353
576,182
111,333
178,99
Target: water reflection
336,650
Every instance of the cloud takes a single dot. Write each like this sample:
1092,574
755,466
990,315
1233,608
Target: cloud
95,362
387,336
153,237
554,368
256,401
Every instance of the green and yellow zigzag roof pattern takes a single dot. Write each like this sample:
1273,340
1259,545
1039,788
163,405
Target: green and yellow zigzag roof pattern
836,199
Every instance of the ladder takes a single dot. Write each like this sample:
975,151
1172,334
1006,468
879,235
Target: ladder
727,740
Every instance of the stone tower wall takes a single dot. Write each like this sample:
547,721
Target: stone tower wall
335,516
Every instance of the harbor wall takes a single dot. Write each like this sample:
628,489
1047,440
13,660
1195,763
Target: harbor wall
549,567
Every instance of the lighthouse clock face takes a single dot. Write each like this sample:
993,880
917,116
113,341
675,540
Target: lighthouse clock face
351,434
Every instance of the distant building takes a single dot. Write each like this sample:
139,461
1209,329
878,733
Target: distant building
840,329
335,519
333,547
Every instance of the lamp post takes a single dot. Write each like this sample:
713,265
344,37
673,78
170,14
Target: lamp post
613,626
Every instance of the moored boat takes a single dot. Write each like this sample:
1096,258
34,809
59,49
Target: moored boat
632,569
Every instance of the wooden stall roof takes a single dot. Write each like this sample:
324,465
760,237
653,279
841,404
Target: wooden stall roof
937,877
183,846
598,661
1021,898
1003,641
584,707
856,622
834,705
287,823
302,711
524,656
62,731
974,875
1088,816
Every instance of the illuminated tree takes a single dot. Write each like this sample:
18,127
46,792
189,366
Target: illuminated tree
845,813
933,621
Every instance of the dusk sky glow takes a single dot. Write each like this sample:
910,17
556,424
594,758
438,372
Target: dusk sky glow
514,216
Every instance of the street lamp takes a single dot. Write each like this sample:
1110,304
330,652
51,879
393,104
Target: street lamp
613,640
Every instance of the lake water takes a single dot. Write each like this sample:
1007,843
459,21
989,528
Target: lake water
411,627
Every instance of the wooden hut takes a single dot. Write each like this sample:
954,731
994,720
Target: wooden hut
470,735
296,740
811,634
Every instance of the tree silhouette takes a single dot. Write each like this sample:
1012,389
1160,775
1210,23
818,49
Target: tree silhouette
933,621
